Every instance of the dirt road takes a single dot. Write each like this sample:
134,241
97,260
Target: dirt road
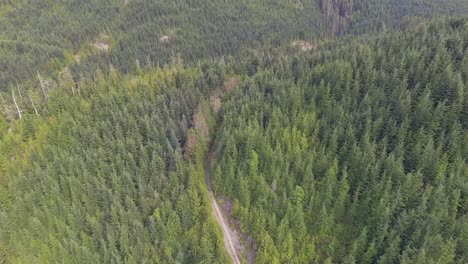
231,239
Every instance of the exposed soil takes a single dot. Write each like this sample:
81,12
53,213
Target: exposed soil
304,45
247,242
231,238
165,39
102,43
101,46
237,245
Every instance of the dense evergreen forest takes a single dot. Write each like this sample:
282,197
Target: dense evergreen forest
331,131
44,36
355,153
99,177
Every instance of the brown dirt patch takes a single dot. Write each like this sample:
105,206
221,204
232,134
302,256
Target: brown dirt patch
102,46
102,43
304,45
247,243
165,39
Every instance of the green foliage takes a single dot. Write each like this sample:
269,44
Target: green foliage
46,35
350,151
100,178
353,151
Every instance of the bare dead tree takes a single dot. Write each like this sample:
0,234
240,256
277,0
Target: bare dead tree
34,106
42,85
19,92
16,104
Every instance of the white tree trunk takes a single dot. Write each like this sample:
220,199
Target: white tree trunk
19,92
32,102
17,107
42,85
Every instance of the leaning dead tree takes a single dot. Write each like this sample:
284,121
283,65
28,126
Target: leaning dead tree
16,104
34,106
42,85
19,92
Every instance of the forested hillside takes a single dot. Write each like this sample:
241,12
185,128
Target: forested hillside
127,33
44,36
353,153
328,131
100,177
378,15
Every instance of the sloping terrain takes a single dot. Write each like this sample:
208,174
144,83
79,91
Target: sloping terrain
353,153
330,147
99,175
45,35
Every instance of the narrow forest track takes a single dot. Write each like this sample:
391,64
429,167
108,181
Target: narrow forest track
231,238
